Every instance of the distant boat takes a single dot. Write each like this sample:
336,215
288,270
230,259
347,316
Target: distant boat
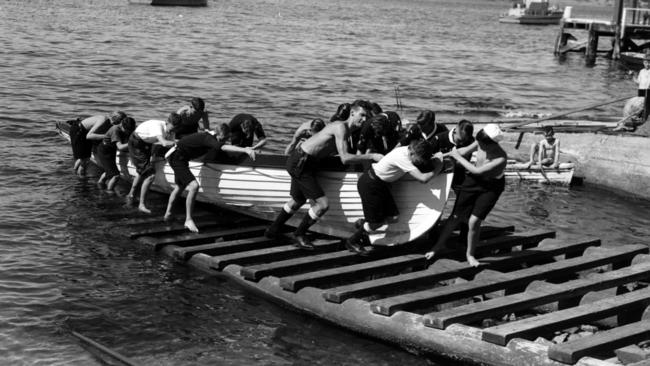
633,59
536,12
180,2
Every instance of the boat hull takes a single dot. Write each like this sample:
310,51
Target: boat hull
532,19
179,2
260,189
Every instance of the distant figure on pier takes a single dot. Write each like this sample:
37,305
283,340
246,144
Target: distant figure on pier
303,166
243,128
116,139
84,132
425,128
546,153
141,144
379,207
304,131
643,79
479,191
190,116
192,147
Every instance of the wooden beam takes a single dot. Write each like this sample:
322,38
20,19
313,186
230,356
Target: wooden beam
204,237
225,247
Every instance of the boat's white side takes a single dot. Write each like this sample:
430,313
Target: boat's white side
261,190
562,175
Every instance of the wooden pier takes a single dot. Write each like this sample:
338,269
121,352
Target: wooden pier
534,300
628,31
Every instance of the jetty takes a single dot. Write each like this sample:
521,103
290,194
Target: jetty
534,300
628,30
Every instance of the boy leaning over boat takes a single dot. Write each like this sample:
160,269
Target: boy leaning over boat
141,144
379,206
303,164
84,132
188,148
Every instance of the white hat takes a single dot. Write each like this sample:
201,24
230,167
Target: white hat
493,132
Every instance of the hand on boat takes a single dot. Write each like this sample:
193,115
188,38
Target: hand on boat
251,153
429,255
376,157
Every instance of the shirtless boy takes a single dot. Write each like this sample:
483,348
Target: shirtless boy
304,131
192,147
83,133
141,142
303,165
190,117
546,152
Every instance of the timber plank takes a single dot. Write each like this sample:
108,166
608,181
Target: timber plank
179,227
605,341
204,237
544,324
557,292
225,247
497,282
271,254
297,265
355,271
433,274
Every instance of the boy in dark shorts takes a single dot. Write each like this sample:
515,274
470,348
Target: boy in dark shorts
374,188
141,143
84,132
303,165
116,138
189,148
304,131
480,189
243,128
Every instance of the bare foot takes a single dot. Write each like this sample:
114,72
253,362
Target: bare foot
429,255
168,217
142,208
472,261
191,226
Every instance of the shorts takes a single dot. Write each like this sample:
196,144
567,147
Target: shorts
106,159
81,147
181,167
303,168
140,156
478,199
377,200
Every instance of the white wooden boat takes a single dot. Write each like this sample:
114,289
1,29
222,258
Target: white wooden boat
561,175
260,188
534,12
180,2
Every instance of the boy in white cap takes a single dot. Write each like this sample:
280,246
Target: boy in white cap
480,189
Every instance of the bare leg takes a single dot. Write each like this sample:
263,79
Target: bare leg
102,179
531,158
472,239
192,188
452,223
112,182
170,203
131,195
143,194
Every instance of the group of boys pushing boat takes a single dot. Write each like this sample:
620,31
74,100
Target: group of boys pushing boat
358,132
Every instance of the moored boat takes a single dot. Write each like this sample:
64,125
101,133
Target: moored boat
179,2
562,175
534,12
260,188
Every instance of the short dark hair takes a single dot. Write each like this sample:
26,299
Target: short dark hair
175,119
421,152
198,104
376,108
466,131
362,103
317,125
548,130
128,124
426,116
342,112
224,128
379,124
117,117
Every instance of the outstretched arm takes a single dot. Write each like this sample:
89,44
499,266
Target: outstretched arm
486,168
247,150
92,134
164,142
341,134
294,141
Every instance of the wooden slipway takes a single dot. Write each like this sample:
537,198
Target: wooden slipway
534,300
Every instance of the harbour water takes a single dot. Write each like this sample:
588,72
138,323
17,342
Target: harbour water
64,264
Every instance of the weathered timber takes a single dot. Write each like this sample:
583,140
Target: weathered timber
270,254
179,227
447,271
354,272
496,282
543,325
226,247
552,293
204,237
298,265
609,340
